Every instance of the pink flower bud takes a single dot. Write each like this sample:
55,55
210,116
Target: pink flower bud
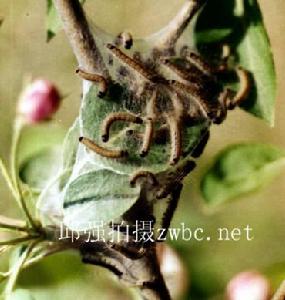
39,101
248,286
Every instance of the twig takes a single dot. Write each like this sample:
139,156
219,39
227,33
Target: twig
171,33
3,249
143,273
17,269
7,178
47,252
17,240
155,289
35,259
18,126
13,224
80,36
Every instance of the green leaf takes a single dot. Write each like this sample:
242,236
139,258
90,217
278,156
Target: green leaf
50,201
41,167
249,41
97,196
39,154
240,169
256,56
17,261
20,294
94,110
98,188
53,22
35,139
212,35
70,145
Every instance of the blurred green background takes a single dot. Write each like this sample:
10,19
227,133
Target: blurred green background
24,52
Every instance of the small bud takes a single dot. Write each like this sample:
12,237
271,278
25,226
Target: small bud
38,101
248,286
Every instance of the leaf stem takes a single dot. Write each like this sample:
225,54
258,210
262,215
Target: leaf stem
17,240
12,224
12,227
49,251
33,260
3,249
11,221
7,178
17,269
18,127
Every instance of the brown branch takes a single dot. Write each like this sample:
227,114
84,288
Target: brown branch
155,289
143,272
171,33
80,37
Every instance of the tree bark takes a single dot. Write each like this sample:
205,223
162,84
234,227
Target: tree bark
80,36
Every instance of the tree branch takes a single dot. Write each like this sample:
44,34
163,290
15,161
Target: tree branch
171,33
144,273
155,289
80,37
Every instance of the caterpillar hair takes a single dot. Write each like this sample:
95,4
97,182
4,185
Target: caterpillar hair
149,128
175,69
171,207
179,86
198,150
102,151
147,137
226,52
103,86
175,140
129,250
200,63
244,89
100,261
143,174
126,40
224,99
114,117
130,62
175,177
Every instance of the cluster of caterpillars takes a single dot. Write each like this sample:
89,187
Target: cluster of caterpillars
195,85
173,119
